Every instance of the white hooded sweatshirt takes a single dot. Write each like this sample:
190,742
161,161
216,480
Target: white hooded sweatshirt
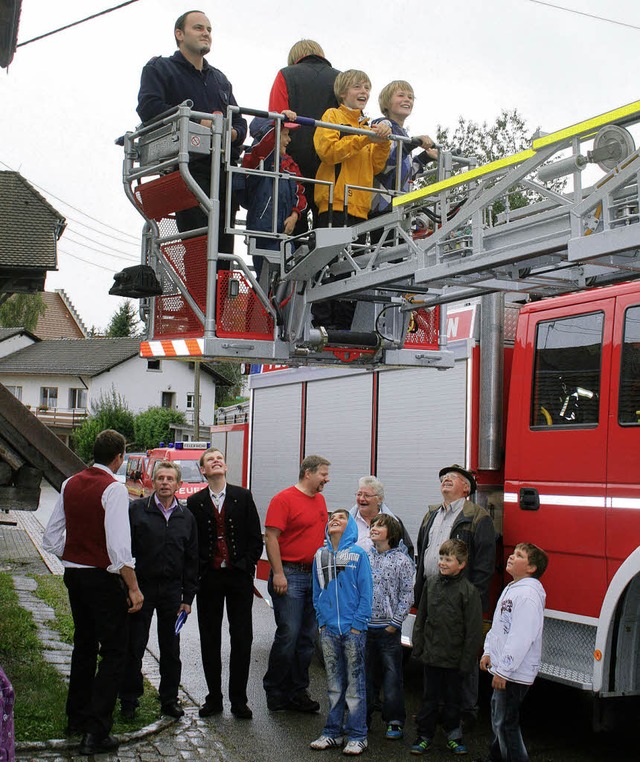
514,642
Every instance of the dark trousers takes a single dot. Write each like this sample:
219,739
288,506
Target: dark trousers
235,589
101,626
440,686
189,219
165,600
507,744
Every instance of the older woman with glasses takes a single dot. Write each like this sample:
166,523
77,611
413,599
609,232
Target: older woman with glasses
370,503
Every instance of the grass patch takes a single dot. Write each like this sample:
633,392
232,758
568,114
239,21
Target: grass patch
41,692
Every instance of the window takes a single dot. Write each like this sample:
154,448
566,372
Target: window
191,400
16,391
49,396
153,365
629,398
566,380
167,399
78,398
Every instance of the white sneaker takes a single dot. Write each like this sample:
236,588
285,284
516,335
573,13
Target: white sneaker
355,747
326,742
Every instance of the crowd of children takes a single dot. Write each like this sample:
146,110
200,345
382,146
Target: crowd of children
362,599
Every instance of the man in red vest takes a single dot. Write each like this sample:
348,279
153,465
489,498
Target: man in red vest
89,530
230,544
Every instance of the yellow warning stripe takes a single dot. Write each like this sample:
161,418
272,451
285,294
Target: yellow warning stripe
464,177
586,128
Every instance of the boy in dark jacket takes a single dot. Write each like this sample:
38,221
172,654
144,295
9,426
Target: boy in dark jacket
256,192
342,598
446,637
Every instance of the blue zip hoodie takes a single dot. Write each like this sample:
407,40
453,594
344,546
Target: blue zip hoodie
342,583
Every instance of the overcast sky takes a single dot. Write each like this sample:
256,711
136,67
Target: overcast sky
65,99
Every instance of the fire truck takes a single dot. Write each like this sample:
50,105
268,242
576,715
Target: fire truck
139,480
504,339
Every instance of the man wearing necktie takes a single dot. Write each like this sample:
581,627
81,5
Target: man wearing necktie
230,544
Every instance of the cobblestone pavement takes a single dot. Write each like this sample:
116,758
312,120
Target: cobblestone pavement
190,738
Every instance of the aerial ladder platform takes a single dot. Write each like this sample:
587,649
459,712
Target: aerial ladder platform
454,239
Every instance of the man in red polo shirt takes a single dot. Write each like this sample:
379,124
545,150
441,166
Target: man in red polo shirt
294,530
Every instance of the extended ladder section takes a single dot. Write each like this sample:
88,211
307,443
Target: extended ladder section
506,226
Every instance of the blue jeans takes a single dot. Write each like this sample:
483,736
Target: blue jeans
344,663
384,668
507,744
293,645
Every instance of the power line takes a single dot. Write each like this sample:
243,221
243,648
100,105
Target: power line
129,258
76,221
582,13
87,261
119,252
75,23
75,208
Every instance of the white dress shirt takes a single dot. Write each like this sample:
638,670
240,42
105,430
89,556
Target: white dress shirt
440,532
115,501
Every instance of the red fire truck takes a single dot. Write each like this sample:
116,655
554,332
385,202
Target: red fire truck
185,454
557,463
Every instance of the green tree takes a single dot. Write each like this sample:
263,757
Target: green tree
124,322
153,426
22,311
109,411
509,134
228,394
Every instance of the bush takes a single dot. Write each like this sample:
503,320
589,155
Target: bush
108,412
153,426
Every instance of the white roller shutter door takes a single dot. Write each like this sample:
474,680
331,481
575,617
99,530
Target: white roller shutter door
339,428
275,441
422,425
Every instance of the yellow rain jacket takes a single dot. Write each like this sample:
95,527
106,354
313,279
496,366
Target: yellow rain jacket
347,159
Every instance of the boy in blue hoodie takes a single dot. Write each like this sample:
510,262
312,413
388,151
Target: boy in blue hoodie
342,597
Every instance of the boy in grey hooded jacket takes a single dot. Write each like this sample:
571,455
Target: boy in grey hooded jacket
513,647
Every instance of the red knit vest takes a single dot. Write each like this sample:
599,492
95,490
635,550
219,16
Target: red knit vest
222,551
86,542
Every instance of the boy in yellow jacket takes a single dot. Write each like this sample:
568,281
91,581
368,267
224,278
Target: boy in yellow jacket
351,160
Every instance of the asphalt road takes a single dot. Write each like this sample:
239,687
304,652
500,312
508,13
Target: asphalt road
556,719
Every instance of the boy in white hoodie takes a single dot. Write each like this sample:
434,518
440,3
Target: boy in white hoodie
512,649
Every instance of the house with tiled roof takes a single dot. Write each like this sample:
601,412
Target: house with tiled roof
29,231
59,379
60,319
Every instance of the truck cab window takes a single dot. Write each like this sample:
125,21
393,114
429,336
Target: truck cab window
629,398
566,375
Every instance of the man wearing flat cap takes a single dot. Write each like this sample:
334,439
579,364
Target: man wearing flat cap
458,518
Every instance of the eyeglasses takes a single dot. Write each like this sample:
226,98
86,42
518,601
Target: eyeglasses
450,475
366,495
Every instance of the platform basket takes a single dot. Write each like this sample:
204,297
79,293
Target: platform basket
239,314
160,197
425,336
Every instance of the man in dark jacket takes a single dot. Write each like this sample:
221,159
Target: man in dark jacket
167,82
230,544
457,518
306,87
164,542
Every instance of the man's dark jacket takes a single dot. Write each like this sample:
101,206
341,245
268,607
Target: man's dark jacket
167,82
474,525
242,529
165,551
